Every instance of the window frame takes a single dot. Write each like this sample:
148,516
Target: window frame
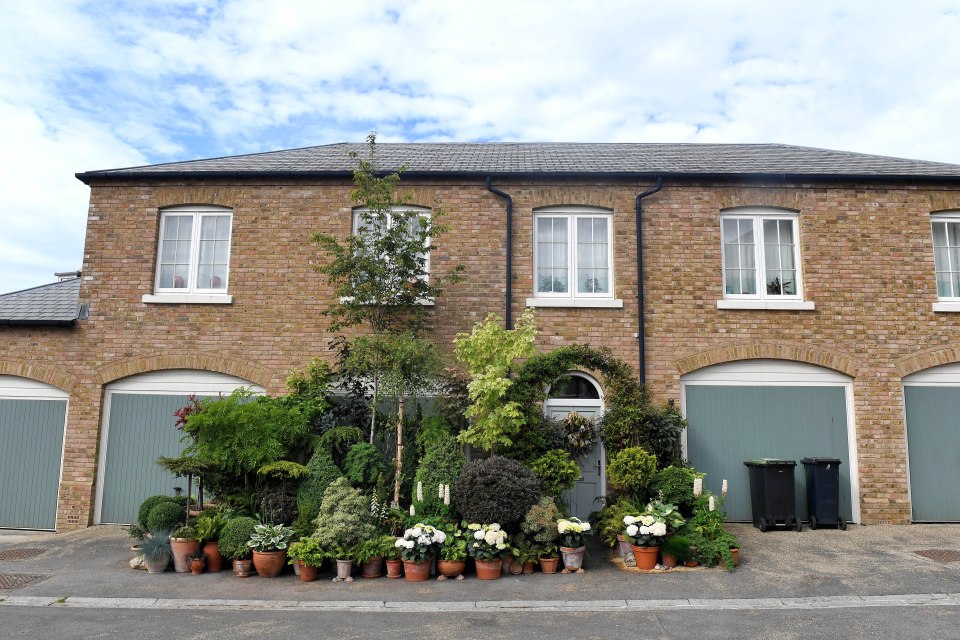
945,218
197,213
573,214
758,216
422,212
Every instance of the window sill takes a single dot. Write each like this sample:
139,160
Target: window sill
187,298
423,303
769,305
581,303
946,307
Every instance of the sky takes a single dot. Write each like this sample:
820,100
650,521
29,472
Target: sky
99,85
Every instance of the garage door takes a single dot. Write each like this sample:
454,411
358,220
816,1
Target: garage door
932,401
772,409
138,427
32,418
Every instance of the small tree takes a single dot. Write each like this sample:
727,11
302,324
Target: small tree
489,351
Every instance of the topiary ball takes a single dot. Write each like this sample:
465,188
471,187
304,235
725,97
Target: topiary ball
147,506
495,490
166,516
235,535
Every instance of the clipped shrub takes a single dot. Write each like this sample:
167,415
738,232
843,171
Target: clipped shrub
147,506
344,519
166,515
631,472
675,486
441,464
557,472
323,471
495,490
234,537
363,464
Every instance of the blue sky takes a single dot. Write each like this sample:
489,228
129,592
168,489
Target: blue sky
95,85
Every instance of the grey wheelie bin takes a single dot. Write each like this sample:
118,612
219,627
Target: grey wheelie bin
823,492
772,494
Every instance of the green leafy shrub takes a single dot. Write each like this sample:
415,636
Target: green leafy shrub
338,441
675,486
495,490
657,429
676,546
610,520
147,506
167,515
323,471
557,472
539,435
580,434
540,523
363,465
442,464
631,472
344,519
235,535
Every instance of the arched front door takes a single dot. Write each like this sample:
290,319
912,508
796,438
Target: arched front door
581,394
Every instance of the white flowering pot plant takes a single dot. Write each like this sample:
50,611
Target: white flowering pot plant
572,543
488,544
269,545
417,547
647,530
453,552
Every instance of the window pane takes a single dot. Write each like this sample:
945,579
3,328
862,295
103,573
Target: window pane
786,257
221,252
584,255
185,230
746,231
544,281
941,259
544,227
746,257
944,286
559,255
774,283
771,256
208,227
560,281
168,252
166,277
181,273
170,224
730,233
219,280
749,282
954,259
558,230
584,230
953,234
789,280
601,280
939,234
543,255
956,284
786,231
731,256
183,252
206,251
770,235
732,282
600,256
203,276
223,228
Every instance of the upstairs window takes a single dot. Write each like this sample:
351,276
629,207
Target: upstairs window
761,256
572,253
194,251
373,226
946,255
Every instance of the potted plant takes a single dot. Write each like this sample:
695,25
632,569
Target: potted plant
572,544
540,527
488,544
453,554
308,553
233,544
647,530
369,555
549,556
343,556
416,548
524,556
392,558
184,542
198,560
674,550
156,551
714,543
269,545
208,525
343,522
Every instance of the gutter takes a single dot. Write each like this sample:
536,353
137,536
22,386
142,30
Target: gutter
641,325
508,315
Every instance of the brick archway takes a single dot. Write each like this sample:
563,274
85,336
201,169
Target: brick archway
927,359
769,350
202,361
54,377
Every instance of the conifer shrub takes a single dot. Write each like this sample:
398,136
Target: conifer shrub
344,519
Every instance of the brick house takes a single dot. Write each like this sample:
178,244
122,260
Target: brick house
796,302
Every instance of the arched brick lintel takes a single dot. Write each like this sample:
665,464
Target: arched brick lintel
203,361
926,359
773,351
55,377
195,195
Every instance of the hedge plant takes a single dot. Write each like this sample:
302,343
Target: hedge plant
675,486
557,471
234,536
166,515
496,489
363,465
631,471
323,471
441,464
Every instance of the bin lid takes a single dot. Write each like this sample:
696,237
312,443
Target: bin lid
822,461
770,462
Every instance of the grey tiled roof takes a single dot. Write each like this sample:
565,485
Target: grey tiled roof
505,158
56,303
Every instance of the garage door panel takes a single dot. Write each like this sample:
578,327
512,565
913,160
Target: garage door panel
730,424
32,436
141,429
933,432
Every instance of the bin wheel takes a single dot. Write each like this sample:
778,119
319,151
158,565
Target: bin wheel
813,522
762,524
797,525
842,524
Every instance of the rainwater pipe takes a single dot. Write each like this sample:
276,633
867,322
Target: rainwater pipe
508,315
640,320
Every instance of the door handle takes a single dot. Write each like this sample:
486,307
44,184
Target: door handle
598,468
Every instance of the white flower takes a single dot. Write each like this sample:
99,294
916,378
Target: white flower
409,544
491,537
632,530
419,492
644,530
697,487
585,526
659,529
562,526
439,537
723,488
413,511
647,520
424,540
630,520
440,491
711,503
478,535
494,527
446,495
473,526
501,546
416,531
400,543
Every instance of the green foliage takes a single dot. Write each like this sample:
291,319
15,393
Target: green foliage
147,506
674,485
283,470
655,428
677,546
379,273
631,472
610,520
166,515
539,435
580,434
323,471
433,429
540,523
157,547
363,465
269,537
489,351
338,440
344,519
209,524
234,537
495,490
455,546
186,532
375,547
241,432
441,465
707,532
309,551
557,471
310,388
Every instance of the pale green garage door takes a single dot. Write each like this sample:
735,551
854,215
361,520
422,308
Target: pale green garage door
32,417
755,418
932,400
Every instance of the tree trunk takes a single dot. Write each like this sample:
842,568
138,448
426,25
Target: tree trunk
396,481
373,406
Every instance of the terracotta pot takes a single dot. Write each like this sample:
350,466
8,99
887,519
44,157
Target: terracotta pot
214,557
344,569
308,573
506,565
242,568
269,564
394,568
736,556
489,569
572,558
646,557
451,568
668,560
549,565
625,550
528,567
372,568
516,568
196,566
182,547
416,571
691,563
